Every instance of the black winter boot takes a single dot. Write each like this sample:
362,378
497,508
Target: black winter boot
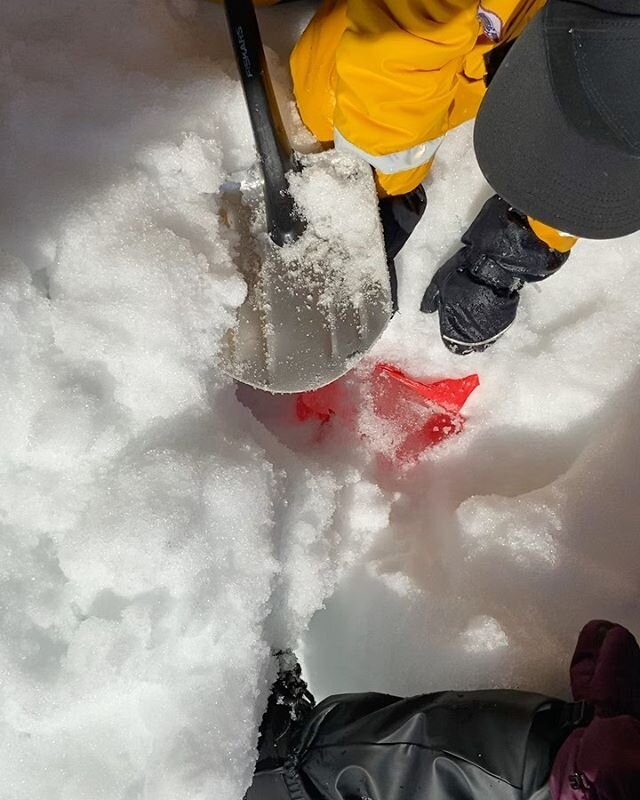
477,291
399,216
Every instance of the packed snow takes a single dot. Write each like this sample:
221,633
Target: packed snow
161,529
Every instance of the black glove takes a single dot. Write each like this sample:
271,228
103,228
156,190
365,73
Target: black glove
476,293
399,216
289,705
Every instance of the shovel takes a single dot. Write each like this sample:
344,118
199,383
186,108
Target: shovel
318,293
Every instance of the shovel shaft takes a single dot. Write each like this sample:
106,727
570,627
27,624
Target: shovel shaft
274,150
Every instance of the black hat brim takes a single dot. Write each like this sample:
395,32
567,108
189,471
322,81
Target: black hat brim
534,159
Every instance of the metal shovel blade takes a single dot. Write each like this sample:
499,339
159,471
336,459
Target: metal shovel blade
314,308
318,296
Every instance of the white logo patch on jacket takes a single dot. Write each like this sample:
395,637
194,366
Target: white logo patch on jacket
491,23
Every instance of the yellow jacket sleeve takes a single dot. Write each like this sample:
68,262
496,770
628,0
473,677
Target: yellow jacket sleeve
398,65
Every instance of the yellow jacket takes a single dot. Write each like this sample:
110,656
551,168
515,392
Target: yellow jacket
404,72
386,79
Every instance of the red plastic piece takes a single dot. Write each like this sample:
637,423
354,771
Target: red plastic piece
417,415
325,403
310,406
450,393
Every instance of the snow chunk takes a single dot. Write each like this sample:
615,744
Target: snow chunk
343,240
523,530
484,634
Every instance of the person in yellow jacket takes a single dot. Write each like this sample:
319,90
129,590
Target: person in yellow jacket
557,134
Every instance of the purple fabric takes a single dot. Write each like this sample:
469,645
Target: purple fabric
605,669
599,762
602,760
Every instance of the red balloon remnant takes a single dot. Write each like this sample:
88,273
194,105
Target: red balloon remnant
418,415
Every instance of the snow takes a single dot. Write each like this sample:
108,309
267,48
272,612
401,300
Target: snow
159,530
334,187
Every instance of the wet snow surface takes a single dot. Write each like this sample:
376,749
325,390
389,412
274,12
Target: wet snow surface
159,530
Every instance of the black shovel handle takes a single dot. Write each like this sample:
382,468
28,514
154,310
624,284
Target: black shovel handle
274,150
